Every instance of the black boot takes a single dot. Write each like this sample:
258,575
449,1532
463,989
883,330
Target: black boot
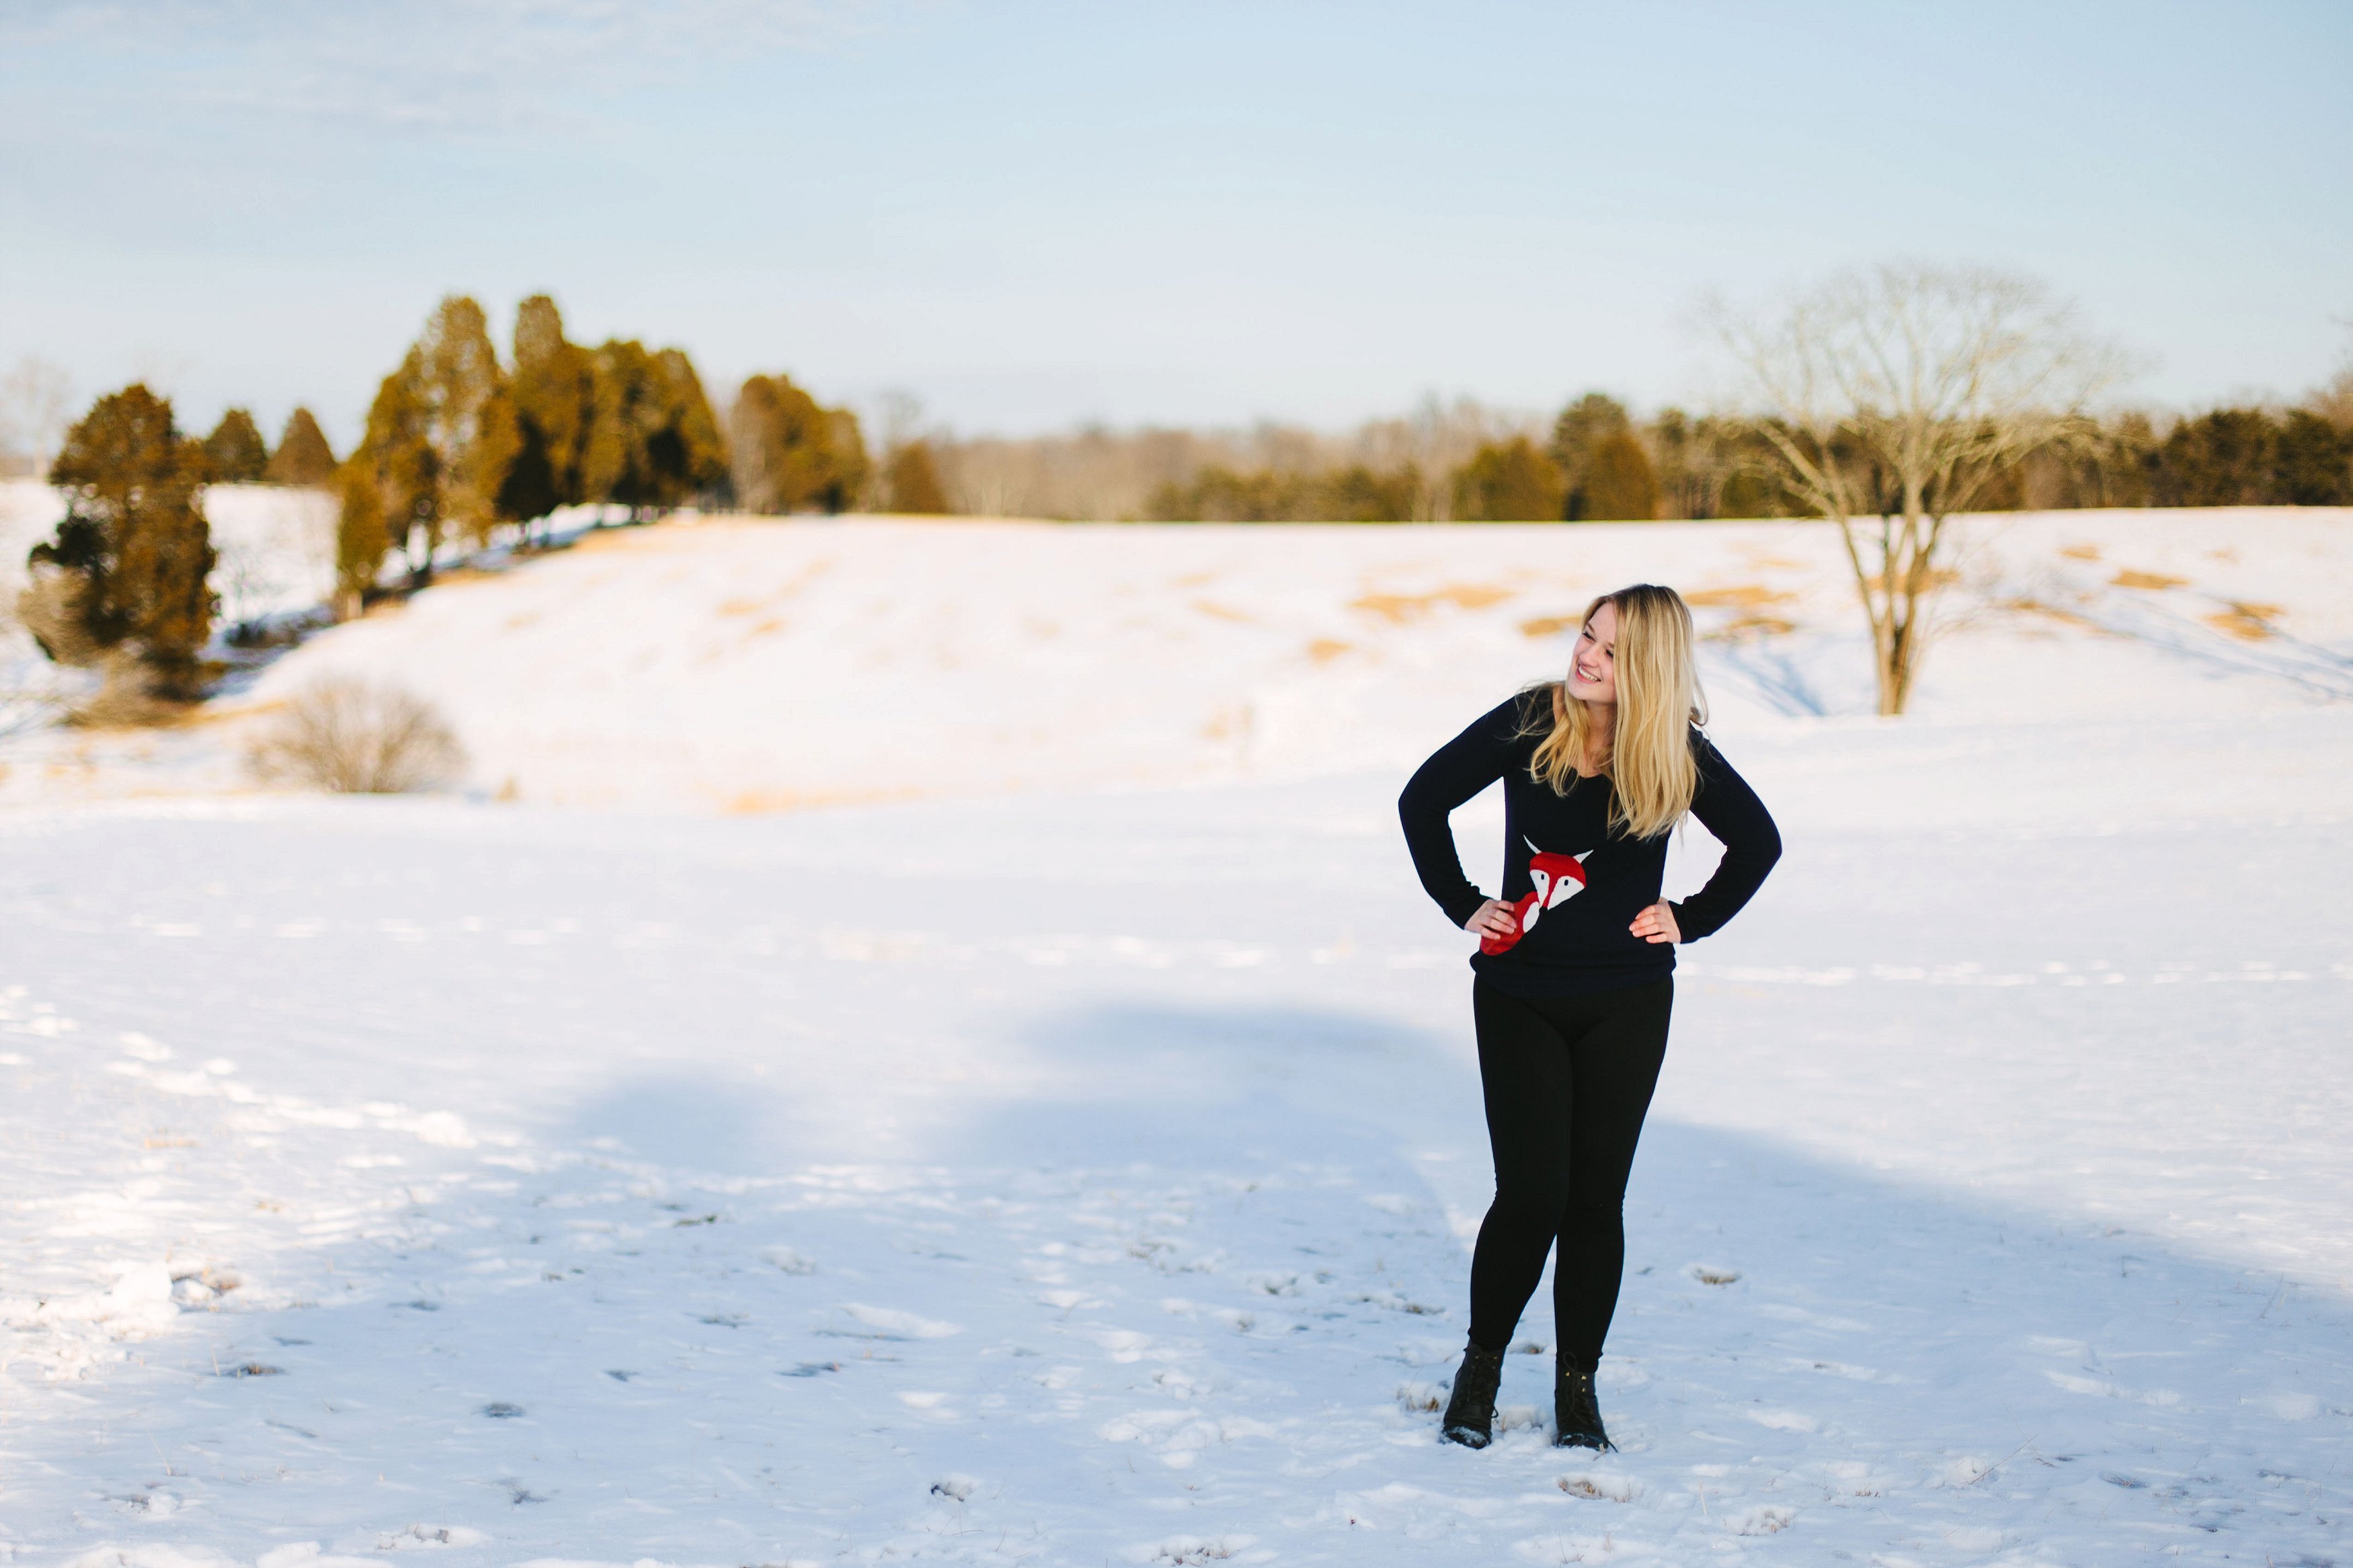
1470,1413
1576,1414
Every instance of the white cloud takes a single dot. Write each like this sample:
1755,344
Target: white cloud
452,67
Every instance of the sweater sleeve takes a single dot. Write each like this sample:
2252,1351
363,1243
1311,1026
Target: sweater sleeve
1454,773
1728,808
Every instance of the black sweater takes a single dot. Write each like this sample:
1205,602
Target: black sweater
1579,941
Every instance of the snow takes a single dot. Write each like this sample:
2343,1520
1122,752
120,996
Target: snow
1086,1173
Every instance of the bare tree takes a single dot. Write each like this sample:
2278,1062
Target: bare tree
1436,438
1098,474
1891,400
35,403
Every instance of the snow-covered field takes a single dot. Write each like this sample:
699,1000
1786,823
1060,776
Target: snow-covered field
1073,1160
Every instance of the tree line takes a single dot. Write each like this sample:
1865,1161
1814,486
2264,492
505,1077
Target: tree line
1597,463
460,444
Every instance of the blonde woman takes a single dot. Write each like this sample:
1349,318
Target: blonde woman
1575,963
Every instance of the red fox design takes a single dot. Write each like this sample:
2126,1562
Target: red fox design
1557,878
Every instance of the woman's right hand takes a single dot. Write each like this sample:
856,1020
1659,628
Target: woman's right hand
1493,919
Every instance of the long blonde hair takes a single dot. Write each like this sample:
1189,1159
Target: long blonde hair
1649,758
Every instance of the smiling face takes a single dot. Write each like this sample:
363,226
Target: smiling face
1592,666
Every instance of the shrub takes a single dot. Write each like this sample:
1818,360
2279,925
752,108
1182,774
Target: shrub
354,737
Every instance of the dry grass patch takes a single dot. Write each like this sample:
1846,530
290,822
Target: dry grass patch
2031,606
2248,623
1324,650
1746,596
1740,626
2155,581
773,802
1398,610
2081,551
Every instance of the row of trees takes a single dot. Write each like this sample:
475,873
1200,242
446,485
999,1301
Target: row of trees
236,453
459,444
1886,402
1601,465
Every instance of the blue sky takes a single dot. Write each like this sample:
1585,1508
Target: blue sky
1033,215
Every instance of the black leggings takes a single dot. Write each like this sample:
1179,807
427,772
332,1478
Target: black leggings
1568,1081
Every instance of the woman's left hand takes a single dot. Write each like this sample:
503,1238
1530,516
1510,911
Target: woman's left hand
1657,923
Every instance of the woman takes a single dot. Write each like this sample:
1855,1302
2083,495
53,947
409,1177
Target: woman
1576,965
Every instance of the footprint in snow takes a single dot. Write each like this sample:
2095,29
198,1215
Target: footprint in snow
1603,1488
252,1369
1785,1420
1427,1397
889,1323
429,1535
1186,1550
1765,1520
812,1369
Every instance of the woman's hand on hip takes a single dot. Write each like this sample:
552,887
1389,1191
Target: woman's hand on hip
1493,918
1656,924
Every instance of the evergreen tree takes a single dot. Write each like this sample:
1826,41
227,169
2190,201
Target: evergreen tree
554,393
234,453
389,488
440,438
1620,484
654,443
303,458
2314,464
2222,458
911,482
691,455
123,582
1582,427
1362,494
2120,464
469,421
790,454
853,469
1509,481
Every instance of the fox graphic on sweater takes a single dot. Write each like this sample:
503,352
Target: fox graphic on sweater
1557,878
